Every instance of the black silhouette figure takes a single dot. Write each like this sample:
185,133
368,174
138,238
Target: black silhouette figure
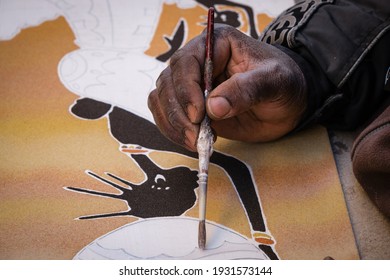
231,17
227,17
175,42
128,128
165,192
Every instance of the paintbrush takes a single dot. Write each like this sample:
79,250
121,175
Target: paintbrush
206,138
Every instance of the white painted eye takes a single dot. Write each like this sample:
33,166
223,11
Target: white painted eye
159,176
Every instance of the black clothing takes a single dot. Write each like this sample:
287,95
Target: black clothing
343,49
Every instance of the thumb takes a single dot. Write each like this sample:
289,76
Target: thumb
235,95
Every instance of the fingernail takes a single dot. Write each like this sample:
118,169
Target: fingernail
190,138
219,107
189,146
192,112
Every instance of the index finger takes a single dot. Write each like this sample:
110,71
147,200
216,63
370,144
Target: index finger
187,75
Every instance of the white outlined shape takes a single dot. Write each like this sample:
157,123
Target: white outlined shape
152,239
112,36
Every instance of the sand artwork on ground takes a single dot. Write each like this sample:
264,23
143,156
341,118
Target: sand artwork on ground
86,174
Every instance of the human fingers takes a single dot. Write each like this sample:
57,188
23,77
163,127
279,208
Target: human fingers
186,69
238,94
270,80
264,122
262,96
169,115
254,106
178,104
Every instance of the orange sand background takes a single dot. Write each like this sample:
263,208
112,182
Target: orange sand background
43,148
195,23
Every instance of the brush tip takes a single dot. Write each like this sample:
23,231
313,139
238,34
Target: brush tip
202,235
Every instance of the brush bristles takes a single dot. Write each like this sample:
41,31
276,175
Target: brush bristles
202,235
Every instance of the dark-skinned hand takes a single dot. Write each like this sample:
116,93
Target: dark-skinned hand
259,92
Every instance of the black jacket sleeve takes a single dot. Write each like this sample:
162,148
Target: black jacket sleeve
343,49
